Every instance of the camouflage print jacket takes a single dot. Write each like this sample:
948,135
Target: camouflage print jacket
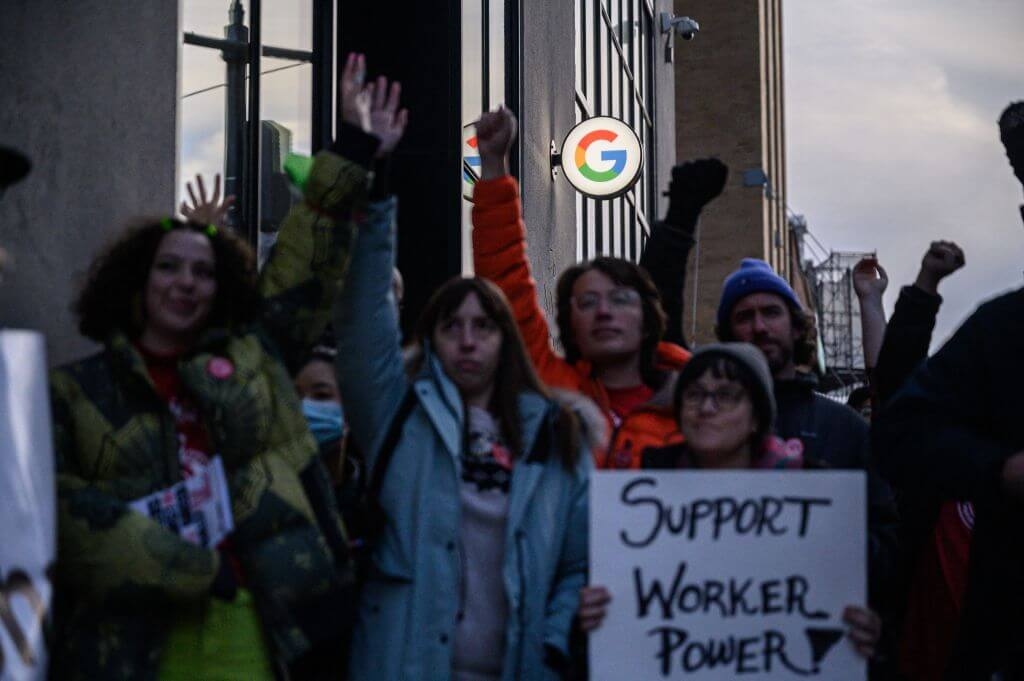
119,573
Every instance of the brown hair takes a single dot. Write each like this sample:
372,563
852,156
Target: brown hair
805,348
623,273
111,299
515,372
725,367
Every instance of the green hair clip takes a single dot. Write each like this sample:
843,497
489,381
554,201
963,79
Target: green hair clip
167,224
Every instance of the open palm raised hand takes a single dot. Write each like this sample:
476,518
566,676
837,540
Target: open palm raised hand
203,210
387,121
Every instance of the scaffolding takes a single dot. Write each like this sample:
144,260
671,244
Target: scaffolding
839,324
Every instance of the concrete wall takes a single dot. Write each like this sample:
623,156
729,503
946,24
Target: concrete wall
548,113
665,107
88,90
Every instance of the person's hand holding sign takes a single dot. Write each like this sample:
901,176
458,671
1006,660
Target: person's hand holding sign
494,134
865,629
594,602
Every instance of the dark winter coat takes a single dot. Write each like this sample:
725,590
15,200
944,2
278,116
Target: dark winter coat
948,433
839,438
120,573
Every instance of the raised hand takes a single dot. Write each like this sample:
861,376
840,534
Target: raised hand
495,132
698,182
942,259
203,210
355,99
869,279
387,121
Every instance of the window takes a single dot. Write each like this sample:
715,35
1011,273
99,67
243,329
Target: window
484,87
274,57
615,42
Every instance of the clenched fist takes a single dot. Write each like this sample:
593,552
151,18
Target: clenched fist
495,132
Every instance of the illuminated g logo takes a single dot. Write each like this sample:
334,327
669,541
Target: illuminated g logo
602,157
616,156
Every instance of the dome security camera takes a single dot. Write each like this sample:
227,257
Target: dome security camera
685,27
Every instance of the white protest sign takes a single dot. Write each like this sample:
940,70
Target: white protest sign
719,575
27,505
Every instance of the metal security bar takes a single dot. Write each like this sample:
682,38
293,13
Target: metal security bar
615,42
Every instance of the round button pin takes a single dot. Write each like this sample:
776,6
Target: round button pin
220,367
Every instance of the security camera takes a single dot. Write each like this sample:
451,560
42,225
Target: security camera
685,27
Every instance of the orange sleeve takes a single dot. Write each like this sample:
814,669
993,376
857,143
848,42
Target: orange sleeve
499,254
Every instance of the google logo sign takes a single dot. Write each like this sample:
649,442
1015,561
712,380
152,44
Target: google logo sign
602,157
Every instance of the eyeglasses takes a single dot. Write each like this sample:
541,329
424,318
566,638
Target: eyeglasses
618,299
723,398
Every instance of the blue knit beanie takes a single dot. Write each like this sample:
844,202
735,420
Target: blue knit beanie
753,276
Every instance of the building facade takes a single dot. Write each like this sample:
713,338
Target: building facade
230,86
730,103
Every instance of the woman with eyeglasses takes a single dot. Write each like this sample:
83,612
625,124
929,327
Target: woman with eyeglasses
610,318
725,407
193,379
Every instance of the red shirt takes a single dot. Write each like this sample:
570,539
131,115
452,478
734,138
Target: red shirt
193,441
625,400
937,594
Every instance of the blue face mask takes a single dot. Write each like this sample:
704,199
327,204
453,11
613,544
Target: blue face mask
325,418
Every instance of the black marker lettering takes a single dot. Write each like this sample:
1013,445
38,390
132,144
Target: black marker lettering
805,509
628,499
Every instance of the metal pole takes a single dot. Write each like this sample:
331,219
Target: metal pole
485,54
251,197
234,108
323,73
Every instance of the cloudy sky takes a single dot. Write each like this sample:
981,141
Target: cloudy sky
891,109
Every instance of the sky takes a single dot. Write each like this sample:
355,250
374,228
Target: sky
285,94
892,142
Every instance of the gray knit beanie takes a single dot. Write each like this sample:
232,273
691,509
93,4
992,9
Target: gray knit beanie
750,359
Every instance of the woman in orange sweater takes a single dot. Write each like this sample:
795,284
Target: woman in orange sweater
610,318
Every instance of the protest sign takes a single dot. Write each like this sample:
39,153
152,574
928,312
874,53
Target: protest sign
198,508
717,574
27,505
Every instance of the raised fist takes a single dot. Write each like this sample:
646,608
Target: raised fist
869,279
494,133
942,259
698,182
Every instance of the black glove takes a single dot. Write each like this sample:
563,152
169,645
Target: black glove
694,184
224,586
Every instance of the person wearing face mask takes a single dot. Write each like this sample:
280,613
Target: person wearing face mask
317,385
